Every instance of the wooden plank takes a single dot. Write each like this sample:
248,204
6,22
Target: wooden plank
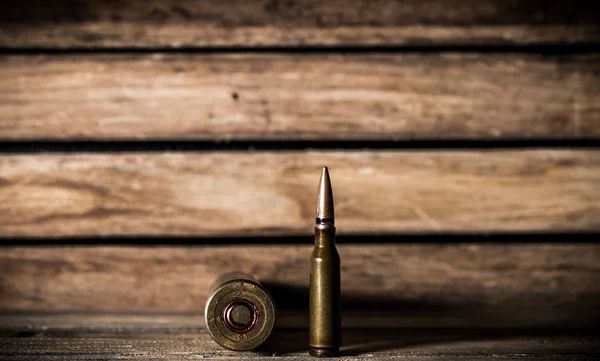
299,96
274,193
416,286
287,317
292,345
191,23
381,317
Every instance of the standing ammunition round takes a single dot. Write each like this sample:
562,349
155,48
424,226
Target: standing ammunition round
325,286
239,313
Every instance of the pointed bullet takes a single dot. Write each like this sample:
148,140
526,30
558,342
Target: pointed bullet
325,285
325,197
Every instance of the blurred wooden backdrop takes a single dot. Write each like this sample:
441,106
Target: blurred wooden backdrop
125,124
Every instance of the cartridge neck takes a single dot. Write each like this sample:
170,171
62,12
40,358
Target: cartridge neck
325,235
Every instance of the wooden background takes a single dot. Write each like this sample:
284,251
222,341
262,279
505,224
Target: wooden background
149,146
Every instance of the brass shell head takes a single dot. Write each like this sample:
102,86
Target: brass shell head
240,314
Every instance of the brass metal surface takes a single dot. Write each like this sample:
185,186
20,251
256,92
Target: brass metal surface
325,197
325,285
240,313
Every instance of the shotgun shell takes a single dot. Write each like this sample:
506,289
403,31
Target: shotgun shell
239,313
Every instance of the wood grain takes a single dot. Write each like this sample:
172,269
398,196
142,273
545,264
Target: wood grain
190,23
287,317
426,285
274,193
299,96
292,345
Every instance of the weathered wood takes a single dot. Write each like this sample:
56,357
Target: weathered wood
292,345
287,317
190,23
274,193
299,96
372,317
421,286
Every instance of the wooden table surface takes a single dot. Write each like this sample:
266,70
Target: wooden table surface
105,338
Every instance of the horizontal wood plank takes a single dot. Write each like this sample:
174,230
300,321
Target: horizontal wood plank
192,23
299,96
416,286
274,193
288,316
293,344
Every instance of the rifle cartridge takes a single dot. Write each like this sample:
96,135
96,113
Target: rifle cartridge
325,283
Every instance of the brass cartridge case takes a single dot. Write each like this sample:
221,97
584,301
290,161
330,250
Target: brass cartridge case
239,313
325,280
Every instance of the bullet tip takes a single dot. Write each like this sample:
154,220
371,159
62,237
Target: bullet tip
325,197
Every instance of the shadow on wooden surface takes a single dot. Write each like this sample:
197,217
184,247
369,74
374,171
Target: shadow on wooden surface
293,345
368,342
87,336
427,285
393,311
296,298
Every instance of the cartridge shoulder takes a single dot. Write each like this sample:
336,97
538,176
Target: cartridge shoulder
325,253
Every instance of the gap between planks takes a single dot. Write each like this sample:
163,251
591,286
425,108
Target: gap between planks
187,23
